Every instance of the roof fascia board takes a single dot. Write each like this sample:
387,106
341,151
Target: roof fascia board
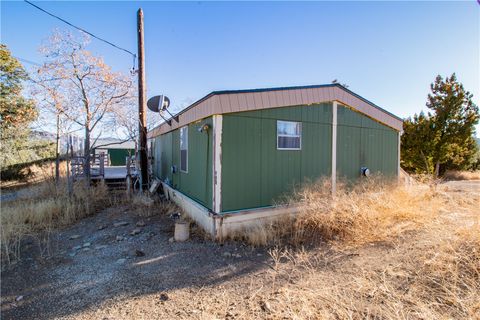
216,94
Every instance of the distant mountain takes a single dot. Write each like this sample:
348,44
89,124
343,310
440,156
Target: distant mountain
42,135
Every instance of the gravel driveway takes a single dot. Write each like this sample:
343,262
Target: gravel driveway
116,255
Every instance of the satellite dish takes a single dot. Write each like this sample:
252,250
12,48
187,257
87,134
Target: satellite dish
158,103
165,103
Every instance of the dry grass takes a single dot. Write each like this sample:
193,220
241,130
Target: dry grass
145,205
462,175
47,207
272,233
396,252
373,210
376,251
370,211
35,173
432,279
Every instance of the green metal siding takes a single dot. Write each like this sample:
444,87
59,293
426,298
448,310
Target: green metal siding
118,156
241,168
197,182
254,172
166,156
363,142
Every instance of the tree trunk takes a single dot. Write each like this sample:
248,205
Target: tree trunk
57,152
437,169
86,151
427,167
69,176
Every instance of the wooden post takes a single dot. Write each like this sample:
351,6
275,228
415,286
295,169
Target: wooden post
141,105
101,162
129,177
70,175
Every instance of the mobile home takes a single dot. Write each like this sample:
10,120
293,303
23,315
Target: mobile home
232,154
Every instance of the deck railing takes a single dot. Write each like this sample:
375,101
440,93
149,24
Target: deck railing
97,166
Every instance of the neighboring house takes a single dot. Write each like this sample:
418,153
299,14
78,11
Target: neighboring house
234,153
116,150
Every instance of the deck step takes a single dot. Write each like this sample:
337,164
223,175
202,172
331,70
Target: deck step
116,184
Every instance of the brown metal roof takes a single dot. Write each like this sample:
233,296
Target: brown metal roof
220,102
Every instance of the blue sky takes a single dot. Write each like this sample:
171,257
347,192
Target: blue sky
388,52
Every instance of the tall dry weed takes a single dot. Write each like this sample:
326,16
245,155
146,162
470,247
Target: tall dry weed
47,207
462,175
372,210
399,252
144,205
434,277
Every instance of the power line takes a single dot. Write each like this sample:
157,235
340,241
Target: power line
28,61
83,30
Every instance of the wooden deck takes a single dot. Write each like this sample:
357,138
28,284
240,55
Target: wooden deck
109,173
115,177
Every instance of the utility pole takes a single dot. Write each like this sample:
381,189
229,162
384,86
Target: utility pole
142,128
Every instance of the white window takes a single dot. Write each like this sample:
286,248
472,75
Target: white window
184,149
289,135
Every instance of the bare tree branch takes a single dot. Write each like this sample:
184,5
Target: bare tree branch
81,87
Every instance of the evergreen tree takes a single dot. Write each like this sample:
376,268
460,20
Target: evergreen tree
16,112
454,119
417,146
444,138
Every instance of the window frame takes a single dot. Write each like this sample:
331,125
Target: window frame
291,136
183,132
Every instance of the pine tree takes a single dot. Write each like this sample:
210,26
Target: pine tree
444,138
453,123
16,112
417,146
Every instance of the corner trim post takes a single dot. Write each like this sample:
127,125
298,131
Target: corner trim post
217,163
334,147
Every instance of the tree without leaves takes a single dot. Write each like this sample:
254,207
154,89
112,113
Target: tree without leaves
443,139
50,101
88,89
127,121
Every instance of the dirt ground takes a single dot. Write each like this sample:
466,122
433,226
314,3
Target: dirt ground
118,265
107,269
